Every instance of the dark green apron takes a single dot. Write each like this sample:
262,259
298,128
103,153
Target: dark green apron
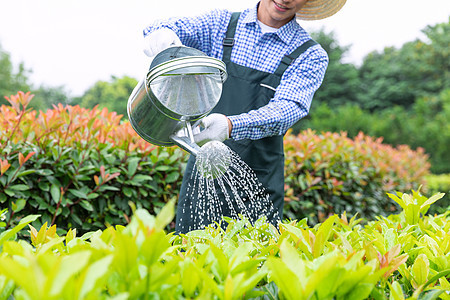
245,89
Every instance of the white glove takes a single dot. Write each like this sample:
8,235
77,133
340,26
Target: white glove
215,128
160,40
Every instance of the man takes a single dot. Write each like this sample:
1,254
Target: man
274,69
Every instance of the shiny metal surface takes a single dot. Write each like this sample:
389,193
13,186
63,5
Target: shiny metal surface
182,85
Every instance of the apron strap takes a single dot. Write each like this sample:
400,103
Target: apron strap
228,41
288,59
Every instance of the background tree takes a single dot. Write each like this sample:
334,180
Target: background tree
47,96
400,76
341,83
11,81
112,95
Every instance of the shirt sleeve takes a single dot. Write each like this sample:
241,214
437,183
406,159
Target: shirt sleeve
291,101
198,32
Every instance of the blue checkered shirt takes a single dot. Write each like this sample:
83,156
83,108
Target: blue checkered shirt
263,52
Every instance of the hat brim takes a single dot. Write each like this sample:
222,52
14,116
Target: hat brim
319,9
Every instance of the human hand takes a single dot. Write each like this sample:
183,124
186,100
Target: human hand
216,127
160,40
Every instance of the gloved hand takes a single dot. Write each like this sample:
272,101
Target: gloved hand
215,128
160,40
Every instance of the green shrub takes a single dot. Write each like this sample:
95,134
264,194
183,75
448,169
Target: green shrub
402,256
80,168
330,173
426,125
435,183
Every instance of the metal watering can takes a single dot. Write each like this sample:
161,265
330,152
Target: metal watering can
183,85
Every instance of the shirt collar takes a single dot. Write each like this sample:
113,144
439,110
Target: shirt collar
286,33
251,15
291,30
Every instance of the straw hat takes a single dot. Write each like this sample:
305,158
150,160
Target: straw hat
319,9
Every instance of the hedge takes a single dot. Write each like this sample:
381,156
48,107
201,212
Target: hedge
329,172
86,168
79,167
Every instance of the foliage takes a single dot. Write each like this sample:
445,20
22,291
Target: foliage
112,95
330,172
425,125
341,83
400,76
435,183
394,257
78,167
45,97
11,80
349,118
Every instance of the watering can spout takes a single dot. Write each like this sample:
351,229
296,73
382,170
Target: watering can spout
185,143
184,138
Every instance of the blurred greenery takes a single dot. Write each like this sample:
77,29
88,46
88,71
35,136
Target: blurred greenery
112,95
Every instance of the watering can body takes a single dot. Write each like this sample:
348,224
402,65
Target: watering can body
183,85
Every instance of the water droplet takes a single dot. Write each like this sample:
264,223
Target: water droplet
222,184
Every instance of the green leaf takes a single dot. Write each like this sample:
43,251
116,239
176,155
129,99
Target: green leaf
132,165
9,192
127,191
270,291
87,205
327,276
2,198
19,187
154,246
166,215
432,295
44,186
22,275
291,257
362,291
296,234
441,274
45,172
70,266
285,279
92,196
221,259
95,272
424,207
412,214
323,233
6,235
56,193
76,219
398,200
78,193
396,292
26,172
142,177
420,269
108,188
163,168
172,177
6,288
19,205
190,278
